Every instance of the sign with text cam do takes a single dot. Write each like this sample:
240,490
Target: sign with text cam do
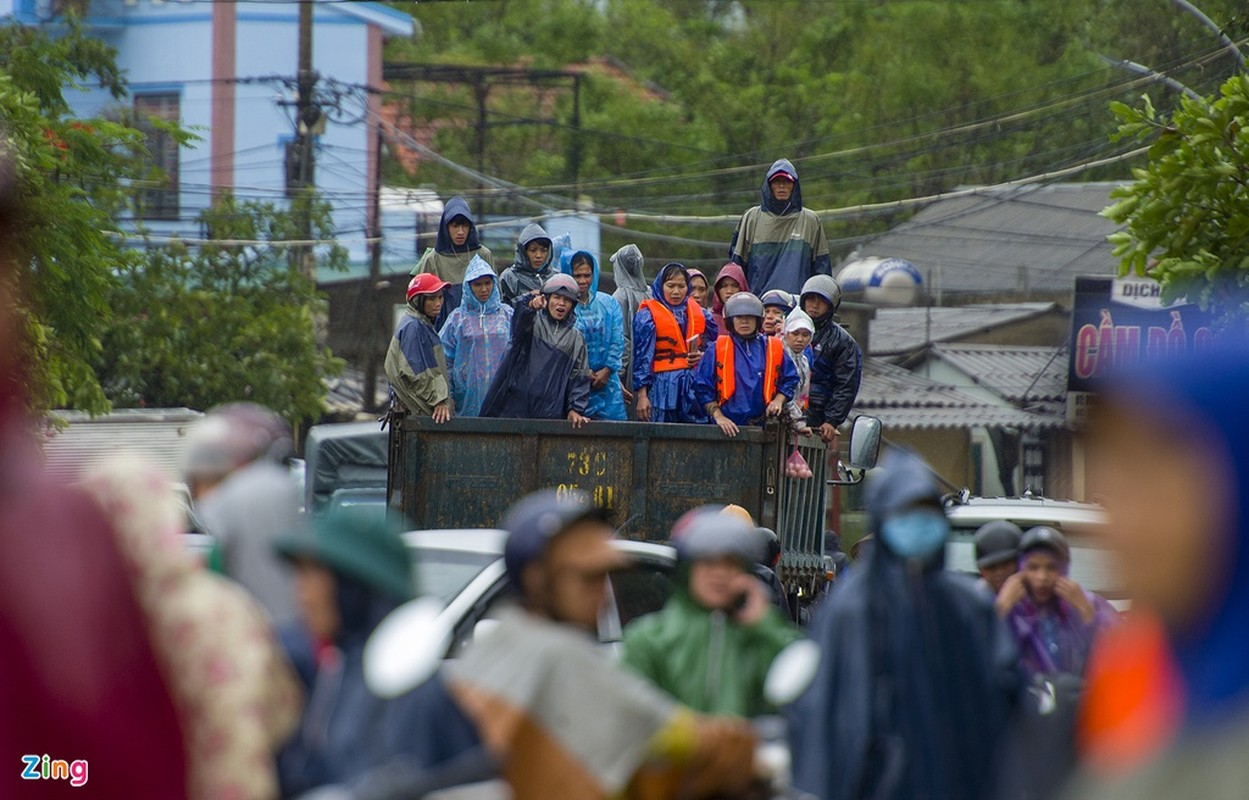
1119,322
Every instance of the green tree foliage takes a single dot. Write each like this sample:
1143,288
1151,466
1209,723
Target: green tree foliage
71,176
227,321
1186,215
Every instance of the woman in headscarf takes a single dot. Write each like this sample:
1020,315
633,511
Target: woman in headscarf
1167,709
700,289
670,335
475,338
600,321
730,280
630,291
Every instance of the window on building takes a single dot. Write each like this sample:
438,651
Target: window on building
159,199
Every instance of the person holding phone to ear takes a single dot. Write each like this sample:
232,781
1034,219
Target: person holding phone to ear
712,643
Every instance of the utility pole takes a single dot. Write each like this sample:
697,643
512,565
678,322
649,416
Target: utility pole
373,287
307,117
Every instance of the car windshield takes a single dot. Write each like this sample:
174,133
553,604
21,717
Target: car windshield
444,573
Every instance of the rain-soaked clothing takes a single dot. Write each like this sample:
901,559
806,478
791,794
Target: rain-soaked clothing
545,373
836,371
734,272
1053,637
600,321
448,261
797,406
1196,706
780,244
918,677
747,361
415,365
517,281
631,290
705,659
671,393
475,339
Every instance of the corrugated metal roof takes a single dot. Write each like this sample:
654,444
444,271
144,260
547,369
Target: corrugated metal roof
155,434
903,399
1015,239
1011,371
903,330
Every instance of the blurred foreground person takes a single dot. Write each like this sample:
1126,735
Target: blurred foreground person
79,678
244,494
236,695
918,677
712,643
561,718
1167,710
351,570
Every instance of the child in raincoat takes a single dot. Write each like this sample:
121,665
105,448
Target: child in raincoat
797,333
475,338
602,326
670,335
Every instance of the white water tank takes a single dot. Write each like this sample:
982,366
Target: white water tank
884,281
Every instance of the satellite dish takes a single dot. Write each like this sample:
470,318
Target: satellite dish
407,648
792,671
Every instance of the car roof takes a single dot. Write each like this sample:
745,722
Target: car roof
1026,509
490,541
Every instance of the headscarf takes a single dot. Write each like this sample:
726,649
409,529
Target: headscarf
657,285
729,270
698,273
237,696
798,320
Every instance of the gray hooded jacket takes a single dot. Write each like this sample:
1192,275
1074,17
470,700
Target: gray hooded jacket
631,290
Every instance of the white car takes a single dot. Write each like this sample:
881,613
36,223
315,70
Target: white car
464,570
1091,565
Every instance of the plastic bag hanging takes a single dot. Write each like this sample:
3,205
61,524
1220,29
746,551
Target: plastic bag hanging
796,466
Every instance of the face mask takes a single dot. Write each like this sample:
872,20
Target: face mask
915,534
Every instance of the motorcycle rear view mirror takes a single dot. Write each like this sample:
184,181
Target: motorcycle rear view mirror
865,436
407,648
792,672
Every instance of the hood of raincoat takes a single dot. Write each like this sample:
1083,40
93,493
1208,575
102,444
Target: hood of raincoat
562,334
627,264
531,232
478,268
657,285
627,268
1201,396
729,270
769,203
565,266
902,479
456,207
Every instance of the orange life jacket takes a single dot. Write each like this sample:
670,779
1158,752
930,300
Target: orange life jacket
671,345
726,372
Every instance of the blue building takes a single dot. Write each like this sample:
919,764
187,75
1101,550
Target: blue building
226,71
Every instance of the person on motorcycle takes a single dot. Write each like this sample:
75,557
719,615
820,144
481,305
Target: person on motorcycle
918,678
711,645
560,717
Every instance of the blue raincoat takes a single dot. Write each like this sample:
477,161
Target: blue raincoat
917,679
671,393
746,406
474,340
602,325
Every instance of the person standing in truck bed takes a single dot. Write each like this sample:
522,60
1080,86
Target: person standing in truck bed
414,361
454,249
670,334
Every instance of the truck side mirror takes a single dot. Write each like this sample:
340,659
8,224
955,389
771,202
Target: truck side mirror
864,442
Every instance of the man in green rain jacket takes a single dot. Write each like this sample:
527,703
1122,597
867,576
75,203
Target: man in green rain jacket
711,645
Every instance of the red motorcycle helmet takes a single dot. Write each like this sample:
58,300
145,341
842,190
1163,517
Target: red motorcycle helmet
425,283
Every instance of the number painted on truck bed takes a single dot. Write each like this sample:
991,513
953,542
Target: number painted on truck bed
588,463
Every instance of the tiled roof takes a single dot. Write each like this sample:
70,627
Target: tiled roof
903,399
902,330
1019,374
1014,239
